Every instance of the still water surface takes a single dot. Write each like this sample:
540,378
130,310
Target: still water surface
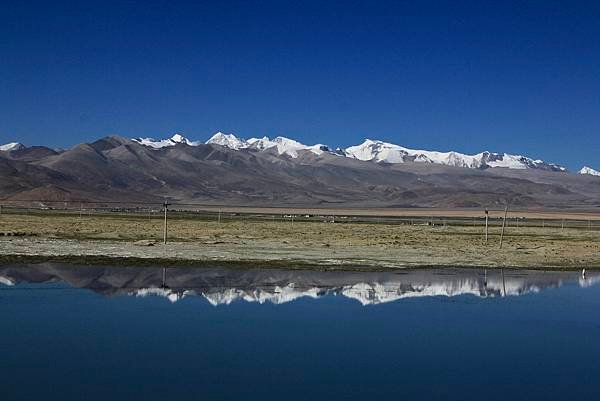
97,333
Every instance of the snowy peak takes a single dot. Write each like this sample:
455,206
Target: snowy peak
286,146
178,138
261,143
153,143
370,150
379,151
390,153
9,147
283,145
589,171
227,140
162,143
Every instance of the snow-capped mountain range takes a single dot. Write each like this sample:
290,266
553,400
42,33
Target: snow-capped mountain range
282,145
369,150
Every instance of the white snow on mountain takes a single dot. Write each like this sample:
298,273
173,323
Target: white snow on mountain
589,171
369,150
11,146
286,146
228,140
283,145
162,143
379,151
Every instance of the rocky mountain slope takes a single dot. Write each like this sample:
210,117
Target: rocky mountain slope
265,172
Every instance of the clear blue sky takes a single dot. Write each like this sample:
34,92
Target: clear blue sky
520,77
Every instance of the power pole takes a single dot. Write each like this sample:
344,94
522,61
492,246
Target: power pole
166,205
503,226
487,215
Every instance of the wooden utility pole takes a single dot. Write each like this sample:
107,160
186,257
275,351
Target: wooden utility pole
166,205
503,226
487,216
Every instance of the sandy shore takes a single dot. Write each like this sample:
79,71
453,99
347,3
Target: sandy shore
280,243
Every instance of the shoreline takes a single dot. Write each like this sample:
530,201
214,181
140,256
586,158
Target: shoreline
250,264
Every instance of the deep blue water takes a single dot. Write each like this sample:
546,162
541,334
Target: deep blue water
60,342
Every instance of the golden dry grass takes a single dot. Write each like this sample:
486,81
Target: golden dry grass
375,244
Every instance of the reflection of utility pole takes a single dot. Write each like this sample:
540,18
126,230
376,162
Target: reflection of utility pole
485,282
503,283
164,278
166,205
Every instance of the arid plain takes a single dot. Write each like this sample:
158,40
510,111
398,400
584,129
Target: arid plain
282,241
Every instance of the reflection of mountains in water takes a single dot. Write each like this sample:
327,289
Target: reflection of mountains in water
224,286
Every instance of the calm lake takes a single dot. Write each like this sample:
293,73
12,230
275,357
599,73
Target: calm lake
98,333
